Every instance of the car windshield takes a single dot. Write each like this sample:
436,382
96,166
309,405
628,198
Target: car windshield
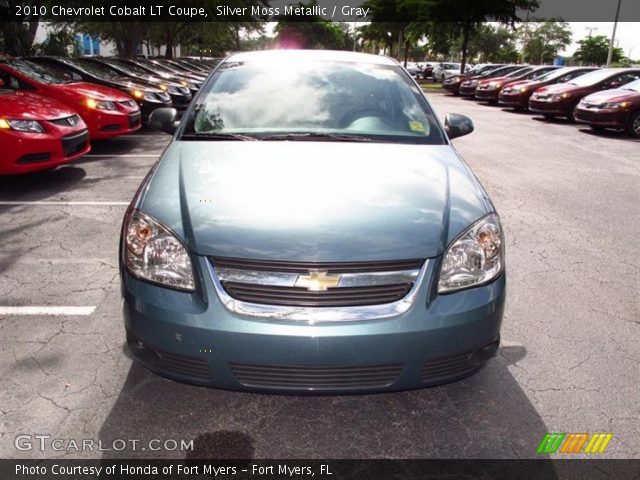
298,100
125,67
497,71
635,86
592,78
520,71
37,72
98,70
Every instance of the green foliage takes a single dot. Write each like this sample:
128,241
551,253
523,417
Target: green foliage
317,32
58,42
594,51
544,40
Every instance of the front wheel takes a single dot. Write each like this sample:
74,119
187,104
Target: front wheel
634,125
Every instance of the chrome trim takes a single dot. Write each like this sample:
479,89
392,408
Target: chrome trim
313,315
284,279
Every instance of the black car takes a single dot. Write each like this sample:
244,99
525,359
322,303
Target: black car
158,65
147,97
192,84
180,95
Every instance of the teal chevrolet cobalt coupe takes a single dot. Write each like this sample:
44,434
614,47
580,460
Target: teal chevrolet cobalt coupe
311,229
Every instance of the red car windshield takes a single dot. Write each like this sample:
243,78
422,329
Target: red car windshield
36,72
634,86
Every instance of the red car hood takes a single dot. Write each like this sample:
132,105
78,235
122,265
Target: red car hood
492,79
615,95
25,105
560,88
97,92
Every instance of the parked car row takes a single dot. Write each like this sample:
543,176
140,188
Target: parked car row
51,108
599,97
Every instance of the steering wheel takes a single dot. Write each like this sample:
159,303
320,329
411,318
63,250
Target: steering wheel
357,113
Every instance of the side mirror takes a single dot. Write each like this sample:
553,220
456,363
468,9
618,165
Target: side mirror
457,125
164,119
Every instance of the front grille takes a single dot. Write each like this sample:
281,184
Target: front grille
71,121
447,367
72,144
321,377
178,364
316,284
134,119
302,297
111,127
193,367
305,267
34,158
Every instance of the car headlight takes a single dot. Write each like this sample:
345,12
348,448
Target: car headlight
475,257
616,105
100,104
31,126
522,89
150,96
153,253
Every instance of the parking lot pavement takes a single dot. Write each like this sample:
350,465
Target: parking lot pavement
569,361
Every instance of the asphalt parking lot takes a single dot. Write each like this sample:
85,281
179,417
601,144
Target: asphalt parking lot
570,360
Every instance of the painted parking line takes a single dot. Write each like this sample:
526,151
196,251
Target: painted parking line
124,155
47,310
62,203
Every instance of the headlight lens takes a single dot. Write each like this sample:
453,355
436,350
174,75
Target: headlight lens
150,97
616,105
31,126
476,257
153,253
101,104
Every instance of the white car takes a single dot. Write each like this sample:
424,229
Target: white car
445,70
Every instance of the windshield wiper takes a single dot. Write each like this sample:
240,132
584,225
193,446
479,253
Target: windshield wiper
217,136
340,137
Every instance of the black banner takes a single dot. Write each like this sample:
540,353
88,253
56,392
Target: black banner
292,10
542,469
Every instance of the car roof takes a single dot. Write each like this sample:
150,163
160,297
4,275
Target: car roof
314,55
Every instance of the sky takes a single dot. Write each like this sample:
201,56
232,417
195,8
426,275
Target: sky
627,34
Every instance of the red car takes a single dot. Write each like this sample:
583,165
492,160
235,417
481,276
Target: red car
561,99
38,133
488,90
107,112
618,109
468,87
517,94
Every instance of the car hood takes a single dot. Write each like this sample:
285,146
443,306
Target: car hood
563,87
25,105
92,90
615,95
313,201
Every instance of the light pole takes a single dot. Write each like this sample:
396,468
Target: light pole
613,35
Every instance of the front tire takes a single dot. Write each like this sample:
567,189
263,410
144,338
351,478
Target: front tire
634,125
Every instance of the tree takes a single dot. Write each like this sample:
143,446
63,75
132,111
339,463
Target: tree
18,36
58,42
594,51
315,32
492,44
543,41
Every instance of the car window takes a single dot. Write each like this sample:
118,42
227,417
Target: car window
36,72
592,78
635,86
379,102
98,69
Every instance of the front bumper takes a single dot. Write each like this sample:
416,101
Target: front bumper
513,100
616,119
486,95
193,337
107,124
555,108
467,91
27,153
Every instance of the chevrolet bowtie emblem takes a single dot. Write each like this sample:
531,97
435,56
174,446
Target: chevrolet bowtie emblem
318,281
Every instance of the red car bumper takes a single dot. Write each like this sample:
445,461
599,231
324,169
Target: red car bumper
111,123
486,95
550,107
602,118
515,100
32,152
